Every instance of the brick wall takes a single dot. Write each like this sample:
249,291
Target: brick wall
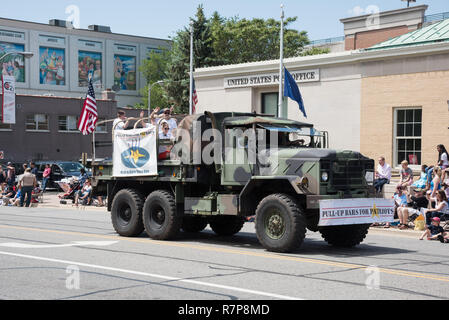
380,97
369,38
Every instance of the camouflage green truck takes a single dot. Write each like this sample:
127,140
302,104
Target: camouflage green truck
291,173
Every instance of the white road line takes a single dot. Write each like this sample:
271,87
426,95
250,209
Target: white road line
54,246
145,274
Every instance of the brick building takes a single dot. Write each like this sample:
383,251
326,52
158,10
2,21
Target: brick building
46,129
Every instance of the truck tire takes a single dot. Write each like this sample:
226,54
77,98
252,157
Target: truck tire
160,216
192,224
280,224
126,213
345,236
226,225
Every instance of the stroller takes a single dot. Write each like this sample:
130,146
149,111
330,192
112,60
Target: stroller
73,187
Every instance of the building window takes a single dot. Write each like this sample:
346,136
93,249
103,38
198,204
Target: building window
68,123
37,122
408,136
270,103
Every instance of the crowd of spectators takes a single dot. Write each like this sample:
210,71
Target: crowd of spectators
22,191
425,198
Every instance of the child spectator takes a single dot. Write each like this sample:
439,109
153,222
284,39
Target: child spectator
422,182
434,231
406,175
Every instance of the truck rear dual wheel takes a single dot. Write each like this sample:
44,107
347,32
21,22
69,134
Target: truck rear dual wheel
345,236
126,213
280,224
161,218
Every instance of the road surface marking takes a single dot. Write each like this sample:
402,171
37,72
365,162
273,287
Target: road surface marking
51,246
151,275
240,252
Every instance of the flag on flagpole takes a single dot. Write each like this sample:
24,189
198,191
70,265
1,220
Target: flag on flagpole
194,98
291,90
89,115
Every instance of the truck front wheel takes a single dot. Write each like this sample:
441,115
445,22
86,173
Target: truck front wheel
160,216
345,236
126,213
280,224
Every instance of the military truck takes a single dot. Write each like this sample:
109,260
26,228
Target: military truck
292,173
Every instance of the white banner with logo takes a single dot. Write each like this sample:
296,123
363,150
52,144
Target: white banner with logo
135,153
355,211
9,99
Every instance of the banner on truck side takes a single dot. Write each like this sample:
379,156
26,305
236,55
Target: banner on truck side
135,153
355,211
9,99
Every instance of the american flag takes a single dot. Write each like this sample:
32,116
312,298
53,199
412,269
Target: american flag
195,98
89,116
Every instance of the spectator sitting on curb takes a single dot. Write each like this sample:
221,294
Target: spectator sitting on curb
406,175
435,185
383,175
8,195
415,203
435,231
441,207
422,182
400,201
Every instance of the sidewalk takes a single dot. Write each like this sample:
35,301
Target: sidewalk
51,200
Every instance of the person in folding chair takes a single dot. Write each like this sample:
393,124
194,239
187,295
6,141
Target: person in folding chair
84,194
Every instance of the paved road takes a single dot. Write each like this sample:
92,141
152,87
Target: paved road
68,254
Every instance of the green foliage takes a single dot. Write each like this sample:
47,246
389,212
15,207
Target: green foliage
218,41
315,51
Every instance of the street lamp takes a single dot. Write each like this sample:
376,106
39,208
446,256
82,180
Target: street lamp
149,94
26,55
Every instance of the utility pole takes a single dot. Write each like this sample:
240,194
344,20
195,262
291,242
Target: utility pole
281,67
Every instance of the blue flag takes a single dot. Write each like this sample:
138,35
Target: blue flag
291,90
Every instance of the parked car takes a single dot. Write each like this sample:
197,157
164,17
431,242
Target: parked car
59,170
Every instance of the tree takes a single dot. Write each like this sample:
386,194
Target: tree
220,41
240,40
154,69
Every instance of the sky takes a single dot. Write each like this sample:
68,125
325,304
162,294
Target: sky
161,19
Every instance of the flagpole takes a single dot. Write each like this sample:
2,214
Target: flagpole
281,67
191,69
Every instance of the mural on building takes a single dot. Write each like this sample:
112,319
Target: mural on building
52,66
125,72
13,65
89,65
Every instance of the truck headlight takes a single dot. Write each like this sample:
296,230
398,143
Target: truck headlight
325,177
369,177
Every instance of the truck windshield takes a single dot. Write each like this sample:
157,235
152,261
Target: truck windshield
70,167
297,137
